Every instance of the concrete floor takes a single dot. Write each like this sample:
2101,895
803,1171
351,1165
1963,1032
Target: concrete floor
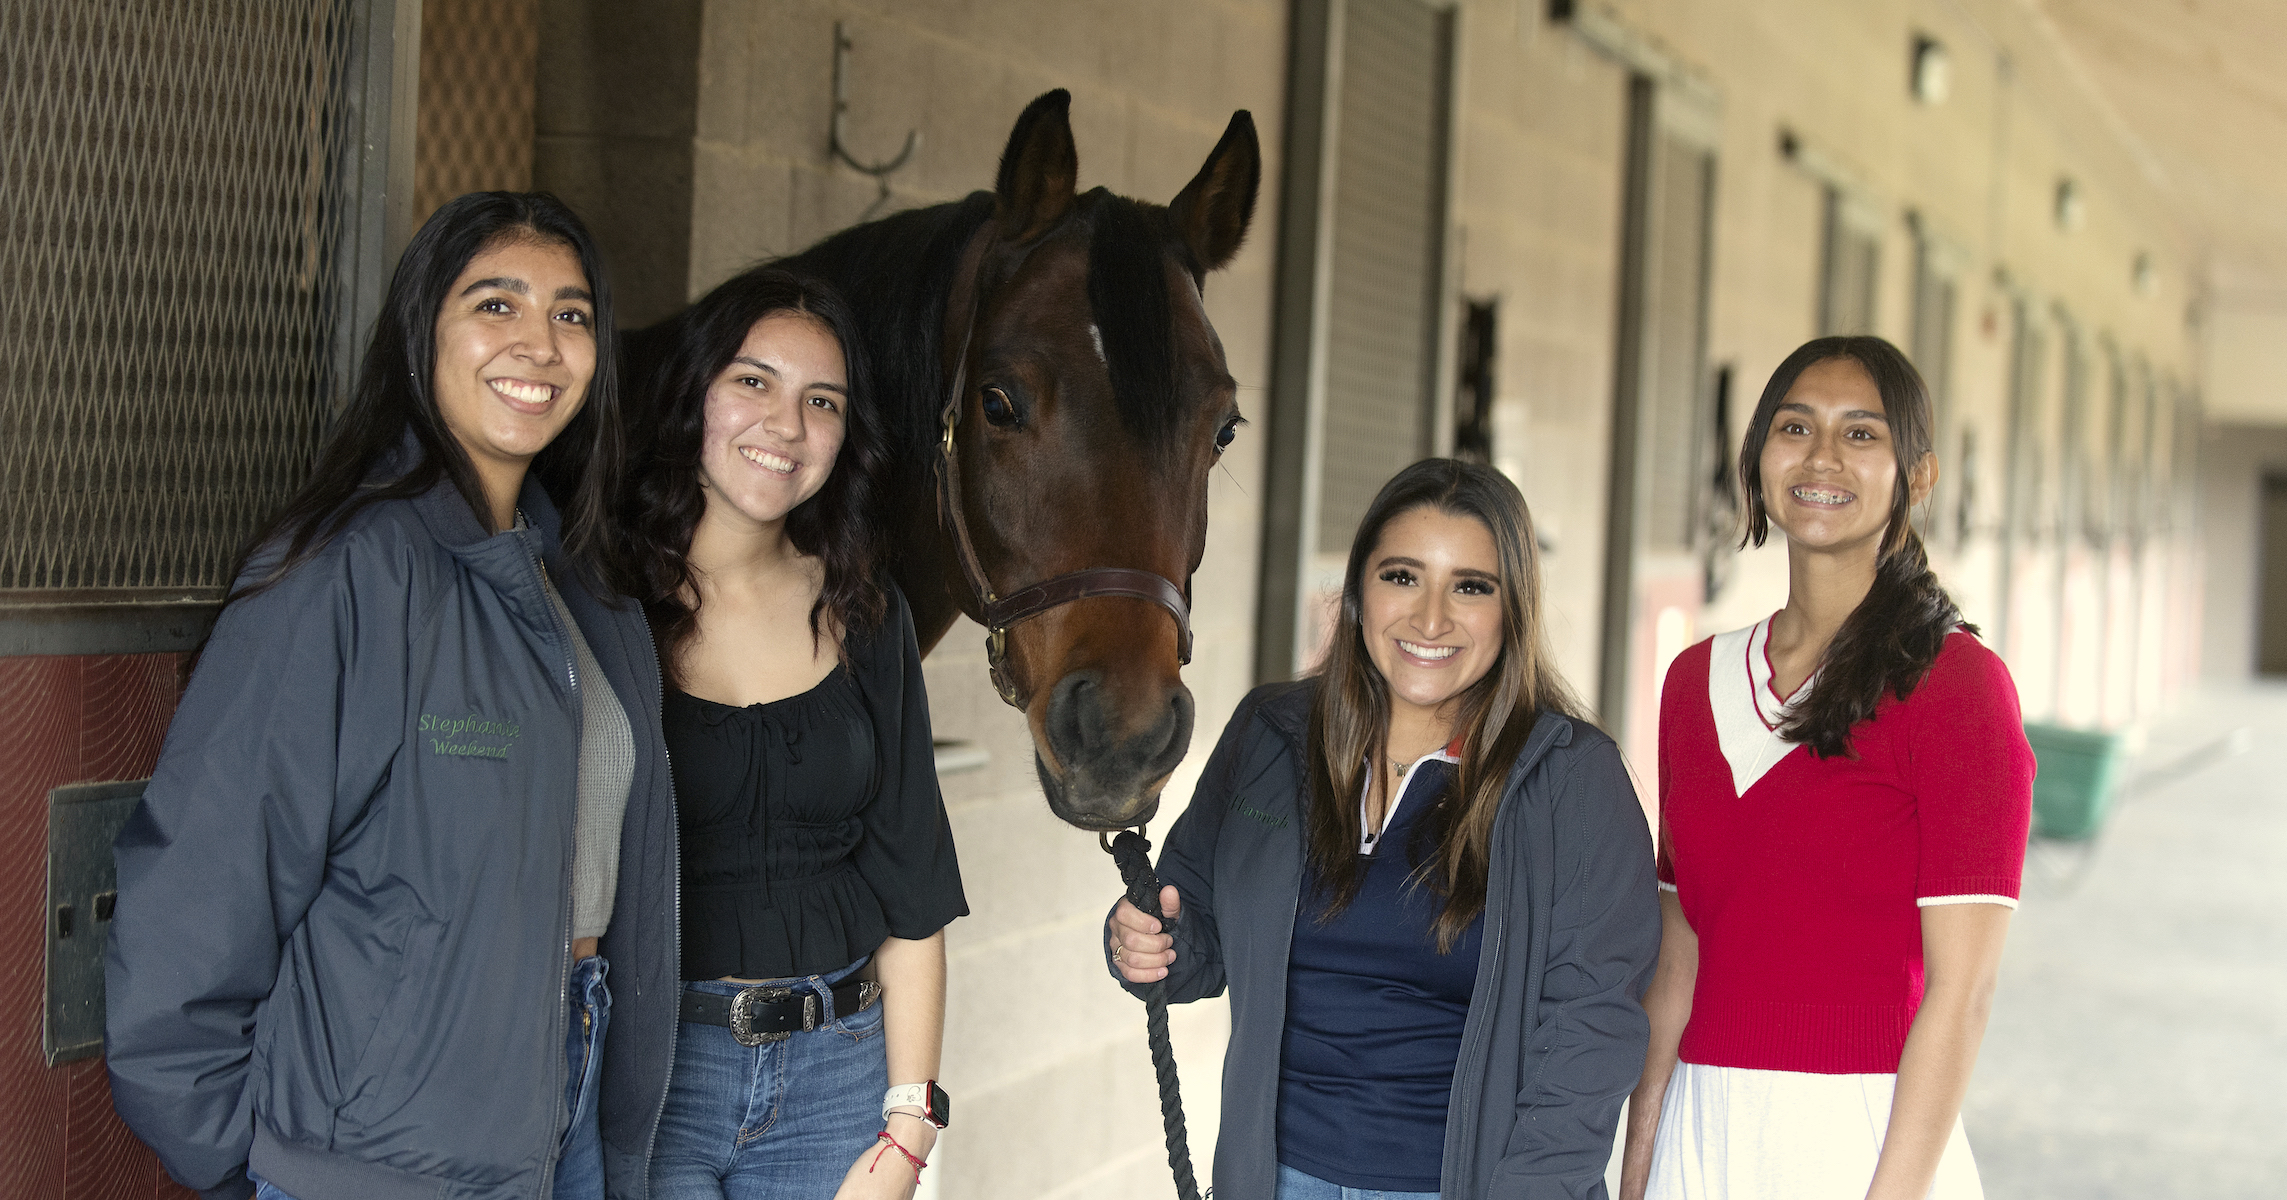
2139,1041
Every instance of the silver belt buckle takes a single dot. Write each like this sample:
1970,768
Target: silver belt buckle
742,1014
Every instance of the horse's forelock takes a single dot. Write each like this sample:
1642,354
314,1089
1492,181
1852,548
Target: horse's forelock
1128,251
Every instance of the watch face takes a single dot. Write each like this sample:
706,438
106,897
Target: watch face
940,1106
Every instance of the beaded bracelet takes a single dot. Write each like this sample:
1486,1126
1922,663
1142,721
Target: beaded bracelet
884,1136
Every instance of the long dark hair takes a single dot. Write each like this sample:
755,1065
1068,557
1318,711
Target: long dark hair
665,500
1889,641
1350,717
395,395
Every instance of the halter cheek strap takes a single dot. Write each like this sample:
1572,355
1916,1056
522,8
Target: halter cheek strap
998,612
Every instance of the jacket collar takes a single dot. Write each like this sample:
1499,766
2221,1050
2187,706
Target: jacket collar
503,559
1287,710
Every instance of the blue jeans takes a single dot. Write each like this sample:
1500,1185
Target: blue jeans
779,1121
1294,1185
580,1156
580,1162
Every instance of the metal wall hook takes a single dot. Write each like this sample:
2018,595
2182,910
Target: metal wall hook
841,150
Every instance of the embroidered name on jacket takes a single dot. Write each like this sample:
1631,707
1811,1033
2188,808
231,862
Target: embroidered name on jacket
1240,806
470,736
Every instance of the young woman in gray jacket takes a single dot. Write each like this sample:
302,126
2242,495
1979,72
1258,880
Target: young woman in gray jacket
1425,880
415,800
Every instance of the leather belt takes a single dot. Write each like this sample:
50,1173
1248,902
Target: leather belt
757,1015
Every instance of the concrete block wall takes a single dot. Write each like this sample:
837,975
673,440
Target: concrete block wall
1981,169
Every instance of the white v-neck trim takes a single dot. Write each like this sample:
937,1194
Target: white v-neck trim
1367,841
1747,711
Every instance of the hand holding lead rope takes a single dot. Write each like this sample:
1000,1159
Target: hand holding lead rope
1142,927
1143,941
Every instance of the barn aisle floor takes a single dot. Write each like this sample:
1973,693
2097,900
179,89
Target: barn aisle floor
2139,1040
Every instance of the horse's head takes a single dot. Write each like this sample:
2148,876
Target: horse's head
1091,401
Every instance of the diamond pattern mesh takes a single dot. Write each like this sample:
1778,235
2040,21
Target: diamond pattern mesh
169,209
479,61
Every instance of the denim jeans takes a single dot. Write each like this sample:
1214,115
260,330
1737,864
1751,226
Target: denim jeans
579,1157
1294,1185
580,1162
779,1121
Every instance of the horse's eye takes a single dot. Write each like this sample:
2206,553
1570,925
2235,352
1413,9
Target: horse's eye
998,410
1224,435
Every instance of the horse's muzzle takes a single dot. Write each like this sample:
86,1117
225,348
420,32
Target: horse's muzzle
1114,757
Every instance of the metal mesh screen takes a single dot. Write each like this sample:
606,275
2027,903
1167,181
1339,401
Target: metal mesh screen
168,222
479,60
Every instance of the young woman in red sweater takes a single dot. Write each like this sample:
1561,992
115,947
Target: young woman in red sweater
1845,792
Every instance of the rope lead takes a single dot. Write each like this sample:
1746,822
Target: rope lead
1131,851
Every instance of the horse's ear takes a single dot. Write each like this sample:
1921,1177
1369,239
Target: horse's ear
1212,211
1039,170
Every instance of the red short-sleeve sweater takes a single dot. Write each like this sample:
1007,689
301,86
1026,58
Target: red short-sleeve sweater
1804,877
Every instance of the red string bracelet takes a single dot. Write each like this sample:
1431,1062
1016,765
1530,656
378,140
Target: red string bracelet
917,1163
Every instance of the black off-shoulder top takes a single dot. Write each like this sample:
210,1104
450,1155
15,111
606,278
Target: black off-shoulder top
812,827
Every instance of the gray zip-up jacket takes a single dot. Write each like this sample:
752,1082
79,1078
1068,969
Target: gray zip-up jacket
1556,1032
343,930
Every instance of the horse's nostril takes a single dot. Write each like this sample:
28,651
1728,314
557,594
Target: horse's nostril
1074,725
1178,727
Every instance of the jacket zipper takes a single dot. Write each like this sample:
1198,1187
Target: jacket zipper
562,1019
1472,1058
674,919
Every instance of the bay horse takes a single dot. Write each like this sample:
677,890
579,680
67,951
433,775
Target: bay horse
1055,397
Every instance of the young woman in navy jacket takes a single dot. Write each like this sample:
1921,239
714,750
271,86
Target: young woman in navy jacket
1425,881
414,807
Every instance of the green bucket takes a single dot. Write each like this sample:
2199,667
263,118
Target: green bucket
2073,789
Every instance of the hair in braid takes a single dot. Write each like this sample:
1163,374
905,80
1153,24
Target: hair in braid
1889,641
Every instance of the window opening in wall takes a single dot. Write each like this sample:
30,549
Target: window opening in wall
2271,640
1655,575
1965,494
2020,457
2111,514
2028,349
1388,246
1850,259
1359,383
1936,271
2132,451
2075,488
1474,374
1720,512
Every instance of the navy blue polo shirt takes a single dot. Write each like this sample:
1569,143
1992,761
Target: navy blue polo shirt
1374,1017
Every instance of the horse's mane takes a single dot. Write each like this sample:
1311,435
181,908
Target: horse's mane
895,273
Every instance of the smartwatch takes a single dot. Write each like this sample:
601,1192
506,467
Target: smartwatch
936,1107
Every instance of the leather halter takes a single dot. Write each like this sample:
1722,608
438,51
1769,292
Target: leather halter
998,612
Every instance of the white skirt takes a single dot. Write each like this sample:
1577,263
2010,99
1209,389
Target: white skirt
1728,1133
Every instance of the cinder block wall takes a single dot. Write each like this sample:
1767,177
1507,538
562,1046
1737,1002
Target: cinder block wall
1541,137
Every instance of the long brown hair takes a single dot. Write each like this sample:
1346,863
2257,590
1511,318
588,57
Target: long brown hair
1889,641
664,500
1350,716
394,401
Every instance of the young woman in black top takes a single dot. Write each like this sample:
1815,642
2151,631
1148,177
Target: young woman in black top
817,864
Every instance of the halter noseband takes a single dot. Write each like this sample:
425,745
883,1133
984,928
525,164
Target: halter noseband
998,612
